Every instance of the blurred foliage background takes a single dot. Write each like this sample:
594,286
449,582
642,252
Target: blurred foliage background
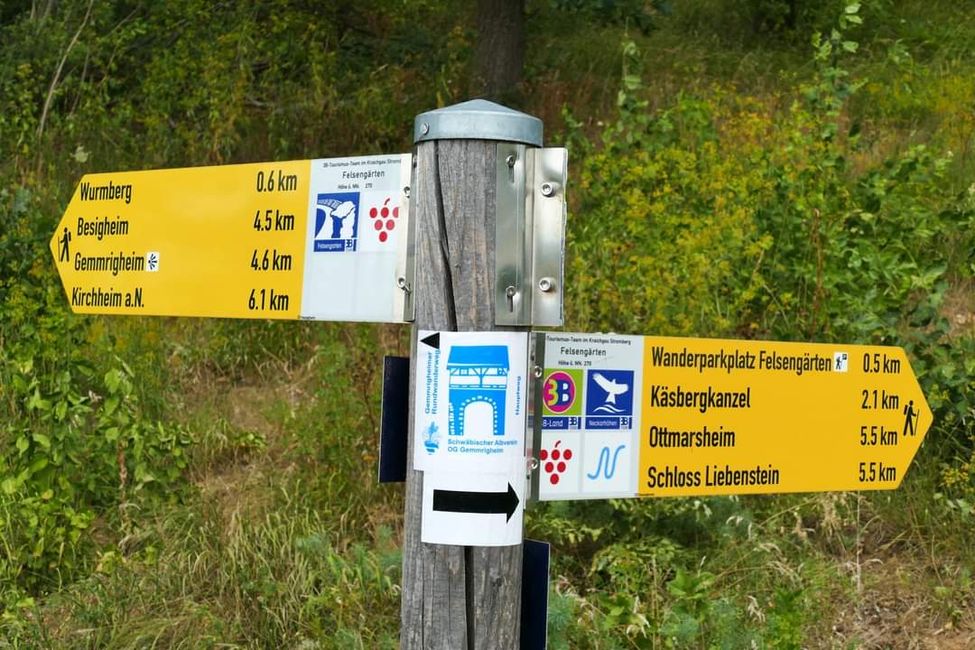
780,169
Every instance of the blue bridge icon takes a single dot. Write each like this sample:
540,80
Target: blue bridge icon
476,389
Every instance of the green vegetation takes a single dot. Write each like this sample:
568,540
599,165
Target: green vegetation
772,169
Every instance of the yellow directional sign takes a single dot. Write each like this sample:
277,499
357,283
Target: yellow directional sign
311,239
658,416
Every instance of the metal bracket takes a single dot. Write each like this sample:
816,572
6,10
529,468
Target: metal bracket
406,258
530,235
536,371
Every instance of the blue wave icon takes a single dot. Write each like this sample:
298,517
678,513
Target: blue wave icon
609,408
606,466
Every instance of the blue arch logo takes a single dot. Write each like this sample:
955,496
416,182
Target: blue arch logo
477,373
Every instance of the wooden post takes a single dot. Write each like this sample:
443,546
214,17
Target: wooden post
457,597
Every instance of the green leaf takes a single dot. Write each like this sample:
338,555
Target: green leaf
850,46
38,465
853,8
43,440
112,380
36,402
111,434
110,405
22,444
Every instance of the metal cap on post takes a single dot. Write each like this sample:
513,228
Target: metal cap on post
478,119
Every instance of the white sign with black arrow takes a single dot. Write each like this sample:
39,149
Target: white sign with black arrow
470,419
472,509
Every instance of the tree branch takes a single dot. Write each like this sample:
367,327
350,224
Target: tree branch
57,73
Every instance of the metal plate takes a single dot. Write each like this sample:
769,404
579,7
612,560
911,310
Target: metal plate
537,371
406,278
512,244
548,234
530,235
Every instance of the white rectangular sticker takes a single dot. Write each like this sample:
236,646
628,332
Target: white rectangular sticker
470,401
473,509
356,226
590,412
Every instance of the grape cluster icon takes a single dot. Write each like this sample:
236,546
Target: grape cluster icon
384,219
555,461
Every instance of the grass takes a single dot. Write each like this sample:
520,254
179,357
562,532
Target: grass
282,540
202,579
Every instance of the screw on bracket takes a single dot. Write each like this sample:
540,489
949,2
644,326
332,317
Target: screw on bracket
549,188
510,295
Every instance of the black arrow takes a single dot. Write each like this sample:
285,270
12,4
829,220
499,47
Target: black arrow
432,340
484,503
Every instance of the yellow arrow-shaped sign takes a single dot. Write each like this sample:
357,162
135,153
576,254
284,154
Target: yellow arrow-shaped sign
662,416
311,239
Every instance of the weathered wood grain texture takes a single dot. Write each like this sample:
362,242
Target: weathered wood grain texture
456,598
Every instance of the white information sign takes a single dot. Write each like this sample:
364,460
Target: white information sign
470,397
356,238
470,420
590,412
